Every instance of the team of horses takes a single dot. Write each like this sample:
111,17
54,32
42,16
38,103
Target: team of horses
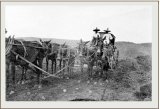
96,54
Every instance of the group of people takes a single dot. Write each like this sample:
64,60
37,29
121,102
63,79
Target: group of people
110,38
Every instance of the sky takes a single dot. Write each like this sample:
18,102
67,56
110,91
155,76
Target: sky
131,23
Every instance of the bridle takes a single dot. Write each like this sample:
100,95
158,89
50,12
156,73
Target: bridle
9,45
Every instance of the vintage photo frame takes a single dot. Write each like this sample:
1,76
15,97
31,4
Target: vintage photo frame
155,62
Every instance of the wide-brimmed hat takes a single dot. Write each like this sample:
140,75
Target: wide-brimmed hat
107,30
96,29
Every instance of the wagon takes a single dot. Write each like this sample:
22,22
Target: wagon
113,57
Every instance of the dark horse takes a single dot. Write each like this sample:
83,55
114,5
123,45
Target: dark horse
102,59
52,55
32,51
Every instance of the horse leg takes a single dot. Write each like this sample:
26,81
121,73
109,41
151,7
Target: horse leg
13,73
38,79
101,73
55,66
25,73
81,66
22,77
91,72
47,64
68,70
63,67
88,71
60,61
111,63
52,66
7,75
39,73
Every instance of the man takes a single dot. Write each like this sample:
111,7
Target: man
110,38
96,34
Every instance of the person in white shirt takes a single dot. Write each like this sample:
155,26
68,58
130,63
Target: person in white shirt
110,38
96,34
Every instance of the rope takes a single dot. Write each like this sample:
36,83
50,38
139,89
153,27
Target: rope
89,57
33,65
49,75
64,68
25,51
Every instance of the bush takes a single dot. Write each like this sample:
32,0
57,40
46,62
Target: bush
132,72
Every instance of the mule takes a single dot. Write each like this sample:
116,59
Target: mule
32,51
112,53
102,61
71,61
62,56
88,55
52,55
83,52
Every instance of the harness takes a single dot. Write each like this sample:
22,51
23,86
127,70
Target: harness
9,47
25,50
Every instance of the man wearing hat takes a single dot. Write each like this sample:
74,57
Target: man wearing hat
96,34
110,38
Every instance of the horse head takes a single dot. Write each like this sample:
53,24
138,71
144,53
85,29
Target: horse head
100,45
93,42
108,52
82,47
45,45
62,50
7,41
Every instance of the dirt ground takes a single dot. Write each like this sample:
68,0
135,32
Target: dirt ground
80,88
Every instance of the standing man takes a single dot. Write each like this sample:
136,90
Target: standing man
110,38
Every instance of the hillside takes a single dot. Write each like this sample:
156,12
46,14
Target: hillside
127,49
132,50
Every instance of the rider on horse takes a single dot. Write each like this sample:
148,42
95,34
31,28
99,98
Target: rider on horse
110,38
96,34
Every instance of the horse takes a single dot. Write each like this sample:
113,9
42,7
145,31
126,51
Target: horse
115,56
71,61
32,51
87,54
62,56
52,55
102,61
82,50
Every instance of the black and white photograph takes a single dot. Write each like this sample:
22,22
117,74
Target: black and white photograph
78,52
